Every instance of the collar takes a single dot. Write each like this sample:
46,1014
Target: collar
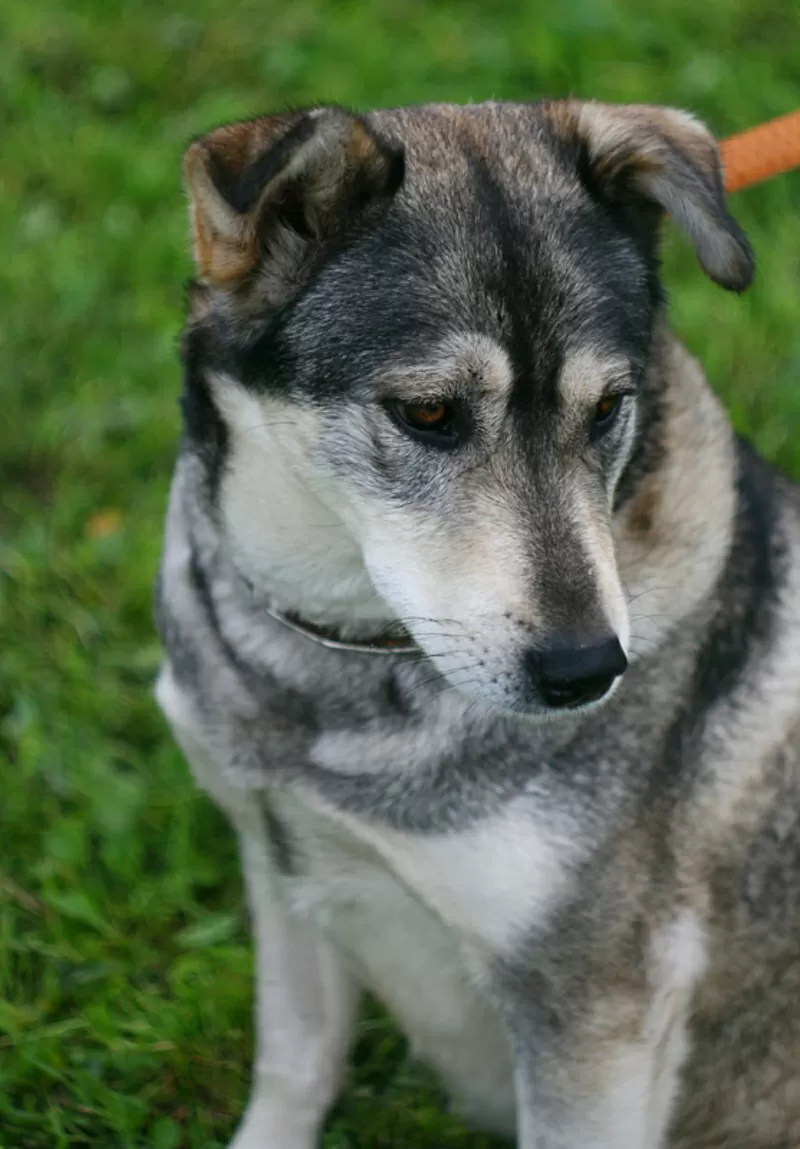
394,639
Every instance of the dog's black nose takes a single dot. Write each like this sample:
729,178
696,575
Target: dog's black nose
569,676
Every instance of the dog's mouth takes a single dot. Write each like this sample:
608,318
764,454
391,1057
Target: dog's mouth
392,639
573,698
561,678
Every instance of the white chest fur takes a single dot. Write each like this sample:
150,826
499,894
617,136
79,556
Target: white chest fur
407,913
491,884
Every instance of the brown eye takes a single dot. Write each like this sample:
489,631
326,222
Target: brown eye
606,411
427,416
432,421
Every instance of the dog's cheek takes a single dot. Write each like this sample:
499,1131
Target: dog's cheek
394,569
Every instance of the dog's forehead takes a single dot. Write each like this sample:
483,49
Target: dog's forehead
483,178
441,140
492,241
493,203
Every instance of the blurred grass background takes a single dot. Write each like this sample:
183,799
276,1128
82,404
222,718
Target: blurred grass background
124,961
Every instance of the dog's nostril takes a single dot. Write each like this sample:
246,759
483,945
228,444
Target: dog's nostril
574,675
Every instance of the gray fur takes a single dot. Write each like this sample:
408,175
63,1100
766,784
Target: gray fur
658,930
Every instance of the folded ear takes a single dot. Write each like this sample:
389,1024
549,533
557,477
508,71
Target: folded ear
666,158
267,194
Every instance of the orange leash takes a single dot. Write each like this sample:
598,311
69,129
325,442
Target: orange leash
760,153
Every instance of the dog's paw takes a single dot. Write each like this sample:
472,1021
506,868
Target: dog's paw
270,1125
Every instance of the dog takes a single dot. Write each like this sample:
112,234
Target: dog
483,627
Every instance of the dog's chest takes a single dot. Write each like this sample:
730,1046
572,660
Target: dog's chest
490,885
402,947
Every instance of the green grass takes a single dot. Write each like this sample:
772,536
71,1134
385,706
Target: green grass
124,961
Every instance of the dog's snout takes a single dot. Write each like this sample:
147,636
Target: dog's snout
572,675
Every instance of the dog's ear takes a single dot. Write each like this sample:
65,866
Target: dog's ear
268,193
665,158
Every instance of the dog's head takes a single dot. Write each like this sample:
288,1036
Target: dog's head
434,328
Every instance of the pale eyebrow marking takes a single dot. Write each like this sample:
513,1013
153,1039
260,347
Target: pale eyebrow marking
586,375
457,358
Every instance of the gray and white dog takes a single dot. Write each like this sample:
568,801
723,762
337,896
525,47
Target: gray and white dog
484,628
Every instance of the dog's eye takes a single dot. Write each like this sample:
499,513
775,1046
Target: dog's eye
432,421
606,412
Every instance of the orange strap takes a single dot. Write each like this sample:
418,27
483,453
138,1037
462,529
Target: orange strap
760,153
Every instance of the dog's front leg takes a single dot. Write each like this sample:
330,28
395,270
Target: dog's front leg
304,1011
599,1098
598,1058
305,1002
